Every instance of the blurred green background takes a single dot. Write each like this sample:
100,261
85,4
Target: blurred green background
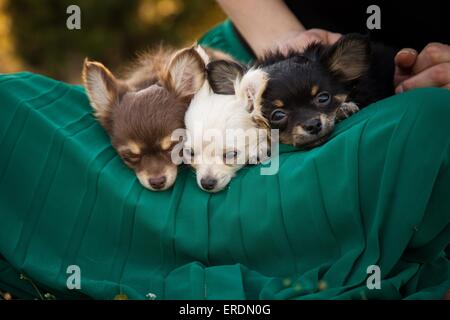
34,36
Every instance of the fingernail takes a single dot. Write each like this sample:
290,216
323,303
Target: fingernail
407,51
399,89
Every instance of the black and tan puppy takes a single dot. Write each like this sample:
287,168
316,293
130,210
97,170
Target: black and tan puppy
306,93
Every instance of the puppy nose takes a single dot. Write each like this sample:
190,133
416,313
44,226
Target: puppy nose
157,183
313,126
208,183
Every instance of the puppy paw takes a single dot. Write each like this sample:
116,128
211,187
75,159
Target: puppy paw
346,110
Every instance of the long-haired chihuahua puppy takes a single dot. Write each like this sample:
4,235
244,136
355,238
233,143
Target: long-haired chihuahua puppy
141,110
223,132
308,92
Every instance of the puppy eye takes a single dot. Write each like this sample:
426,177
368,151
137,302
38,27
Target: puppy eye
229,156
131,158
188,152
323,98
277,116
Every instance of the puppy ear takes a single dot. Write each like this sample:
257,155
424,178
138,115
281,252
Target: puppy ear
251,88
102,89
222,74
185,73
203,54
349,57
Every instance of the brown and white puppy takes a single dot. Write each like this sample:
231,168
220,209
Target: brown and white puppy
141,110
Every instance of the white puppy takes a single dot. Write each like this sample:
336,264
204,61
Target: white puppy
224,131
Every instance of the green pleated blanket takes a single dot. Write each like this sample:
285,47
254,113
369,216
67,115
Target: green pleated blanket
377,194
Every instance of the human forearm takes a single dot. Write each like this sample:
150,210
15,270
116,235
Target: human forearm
263,23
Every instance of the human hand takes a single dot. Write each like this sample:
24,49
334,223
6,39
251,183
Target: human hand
429,68
299,40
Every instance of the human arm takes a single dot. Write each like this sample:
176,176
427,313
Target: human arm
269,24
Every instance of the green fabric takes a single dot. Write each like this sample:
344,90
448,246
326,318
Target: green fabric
377,193
223,37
